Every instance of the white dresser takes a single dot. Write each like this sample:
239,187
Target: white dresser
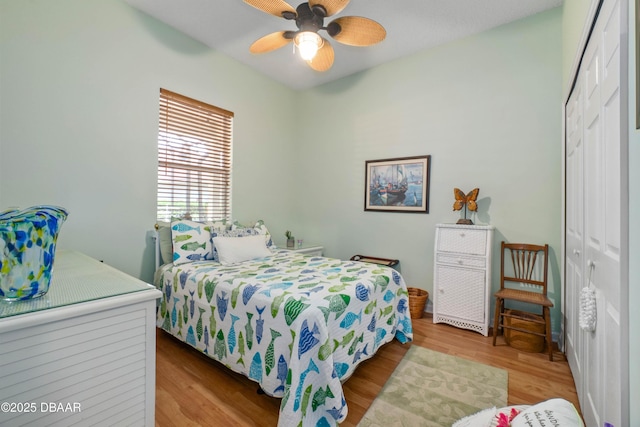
82,353
462,276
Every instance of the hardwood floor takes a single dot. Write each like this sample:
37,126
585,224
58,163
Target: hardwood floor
193,390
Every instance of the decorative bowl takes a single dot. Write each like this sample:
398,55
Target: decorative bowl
27,249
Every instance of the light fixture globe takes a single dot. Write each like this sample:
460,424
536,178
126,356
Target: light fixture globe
308,43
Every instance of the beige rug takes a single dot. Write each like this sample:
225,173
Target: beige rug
429,388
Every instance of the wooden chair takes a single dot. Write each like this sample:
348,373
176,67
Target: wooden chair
524,286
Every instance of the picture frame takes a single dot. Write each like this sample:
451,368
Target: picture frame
397,185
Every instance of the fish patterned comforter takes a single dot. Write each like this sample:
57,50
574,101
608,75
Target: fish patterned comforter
295,324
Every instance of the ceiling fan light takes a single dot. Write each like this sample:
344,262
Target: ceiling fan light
308,43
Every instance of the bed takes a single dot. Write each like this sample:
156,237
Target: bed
297,325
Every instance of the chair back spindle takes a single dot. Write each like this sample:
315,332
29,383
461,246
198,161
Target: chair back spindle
526,270
523,263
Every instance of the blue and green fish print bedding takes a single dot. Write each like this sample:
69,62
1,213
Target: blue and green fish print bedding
295,324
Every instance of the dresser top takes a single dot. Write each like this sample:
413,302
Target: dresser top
467,227
76,278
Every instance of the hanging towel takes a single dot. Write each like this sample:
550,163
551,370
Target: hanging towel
587,316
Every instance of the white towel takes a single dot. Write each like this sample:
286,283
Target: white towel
587,315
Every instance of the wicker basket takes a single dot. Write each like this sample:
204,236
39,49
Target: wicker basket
521,340
417,301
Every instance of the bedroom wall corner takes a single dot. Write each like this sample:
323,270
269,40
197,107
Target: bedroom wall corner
486,108
82,81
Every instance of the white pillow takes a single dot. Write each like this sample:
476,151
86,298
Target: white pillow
238,232
553,412
237,249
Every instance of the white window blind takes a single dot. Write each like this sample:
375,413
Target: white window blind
194,159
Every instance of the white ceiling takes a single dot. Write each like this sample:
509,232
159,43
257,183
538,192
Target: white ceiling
231,26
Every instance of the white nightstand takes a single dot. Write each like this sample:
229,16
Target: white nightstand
307,249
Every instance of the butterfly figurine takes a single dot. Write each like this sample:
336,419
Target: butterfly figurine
469,200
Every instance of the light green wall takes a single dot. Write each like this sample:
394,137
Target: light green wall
79,87
488,111
574,27
82,81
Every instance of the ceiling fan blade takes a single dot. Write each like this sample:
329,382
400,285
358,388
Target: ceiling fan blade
273,7
269,42
356,31
324,58
331,6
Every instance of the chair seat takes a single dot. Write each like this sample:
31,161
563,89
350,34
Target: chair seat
524,296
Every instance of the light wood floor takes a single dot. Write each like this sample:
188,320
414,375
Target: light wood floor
193,390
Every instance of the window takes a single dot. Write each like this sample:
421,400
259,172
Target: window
194,159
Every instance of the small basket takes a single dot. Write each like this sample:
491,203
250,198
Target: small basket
522,340
417,301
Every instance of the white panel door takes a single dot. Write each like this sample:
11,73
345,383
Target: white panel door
603,234
592,357
595,242
574,227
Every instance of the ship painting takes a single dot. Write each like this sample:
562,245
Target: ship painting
390,185
397,183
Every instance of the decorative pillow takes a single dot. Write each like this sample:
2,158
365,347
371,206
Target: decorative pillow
552,412
232,250
505,416
187,238
260,228
479,419
191,241
218,225
491,417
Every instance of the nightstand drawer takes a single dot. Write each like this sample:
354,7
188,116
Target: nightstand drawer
460,260
463,241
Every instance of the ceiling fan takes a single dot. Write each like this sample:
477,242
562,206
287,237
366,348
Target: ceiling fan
309,18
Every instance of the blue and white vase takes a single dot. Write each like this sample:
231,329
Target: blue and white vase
27,249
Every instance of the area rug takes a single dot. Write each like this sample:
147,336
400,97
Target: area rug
429,388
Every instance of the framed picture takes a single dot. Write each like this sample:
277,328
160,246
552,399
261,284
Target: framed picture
397,185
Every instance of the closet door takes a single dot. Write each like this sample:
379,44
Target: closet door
596,244
574,227
603,166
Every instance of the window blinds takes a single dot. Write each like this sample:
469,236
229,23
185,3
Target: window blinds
194,159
